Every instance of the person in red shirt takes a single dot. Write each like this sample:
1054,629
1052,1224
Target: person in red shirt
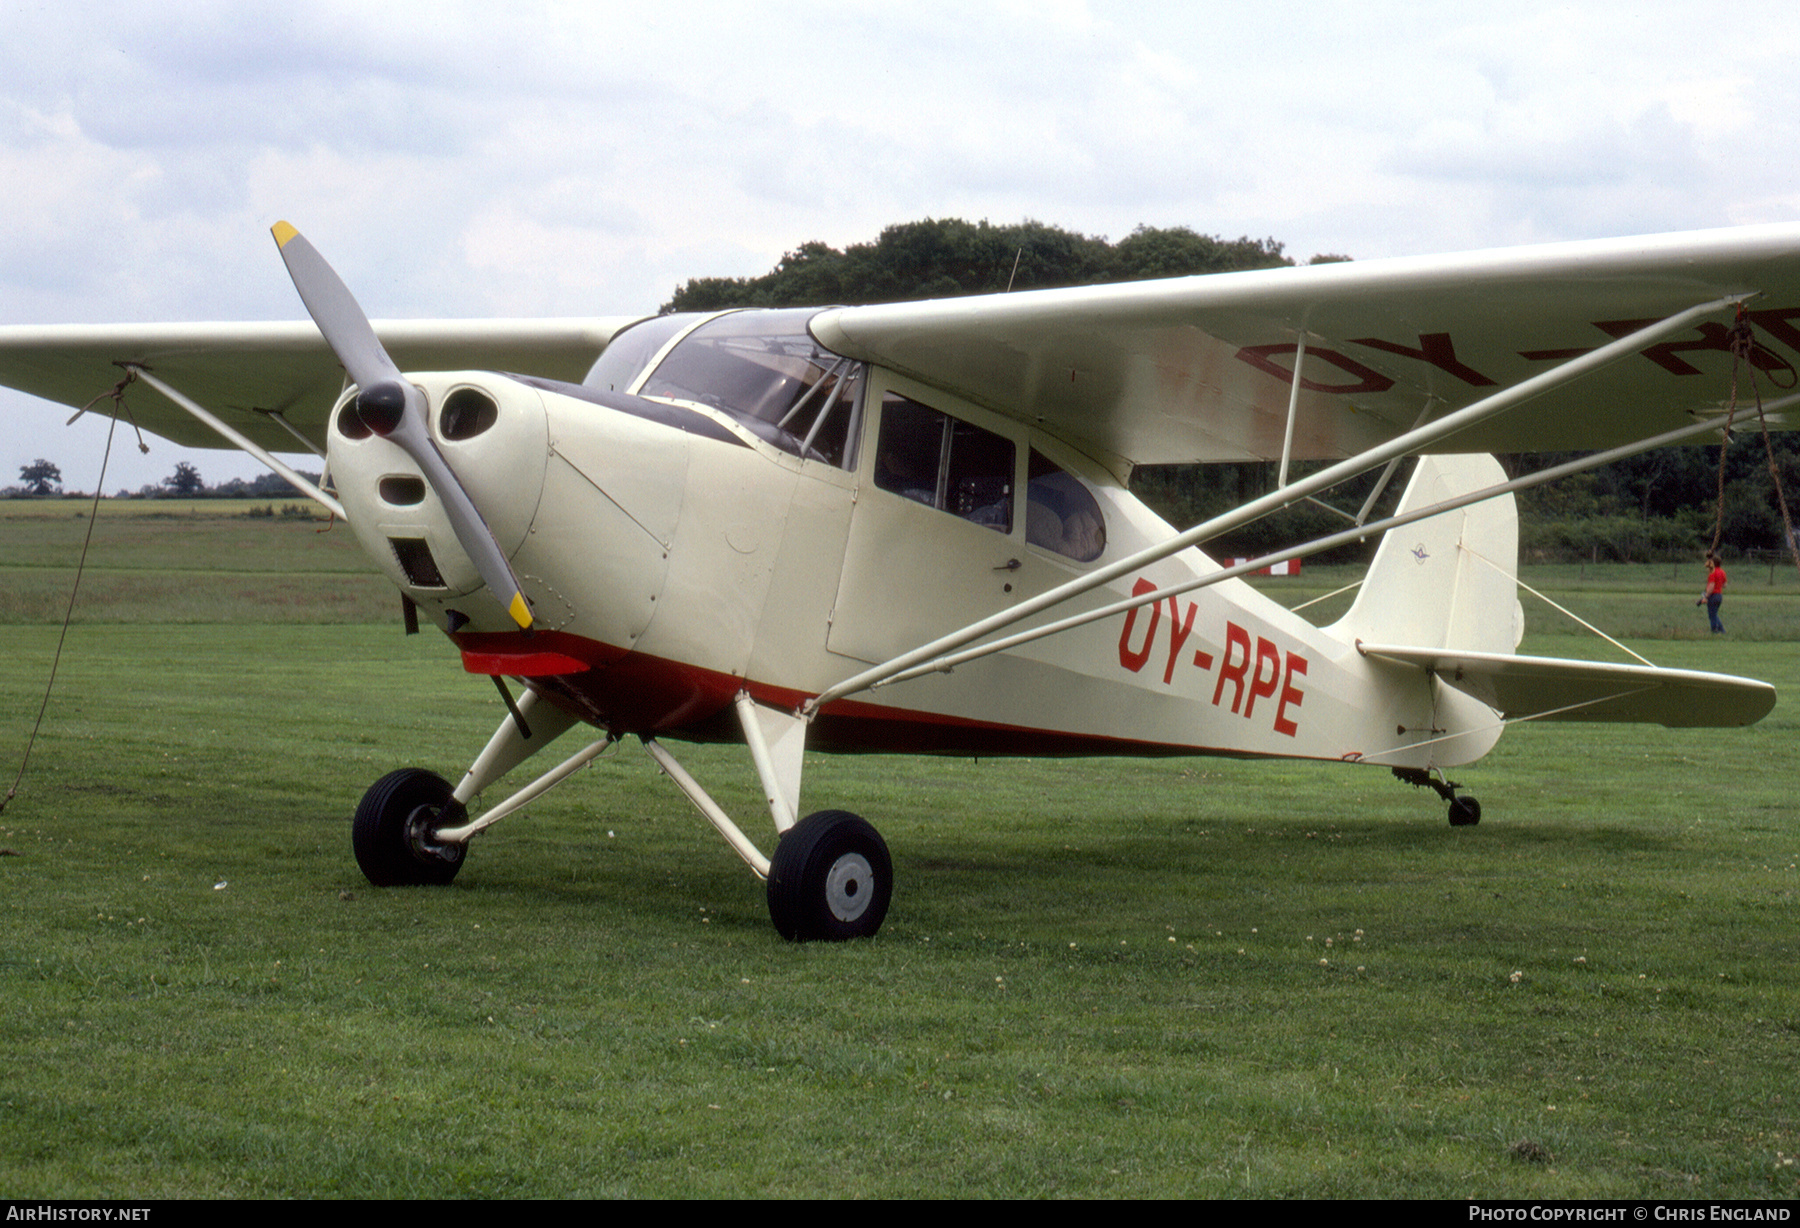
1714,595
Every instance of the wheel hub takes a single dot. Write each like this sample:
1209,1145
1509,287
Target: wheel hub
847,891
421,827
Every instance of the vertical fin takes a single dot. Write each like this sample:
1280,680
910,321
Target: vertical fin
1447,581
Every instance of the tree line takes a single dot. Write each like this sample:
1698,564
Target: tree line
1653,507
42,479
950,257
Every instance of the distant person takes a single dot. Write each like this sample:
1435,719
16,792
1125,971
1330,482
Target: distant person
1714,595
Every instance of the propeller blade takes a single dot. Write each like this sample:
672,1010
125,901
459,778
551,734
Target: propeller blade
395,409
335,310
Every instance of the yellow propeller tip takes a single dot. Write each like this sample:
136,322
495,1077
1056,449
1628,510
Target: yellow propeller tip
282,232
521,613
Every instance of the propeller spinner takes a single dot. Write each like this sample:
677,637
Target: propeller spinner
394,409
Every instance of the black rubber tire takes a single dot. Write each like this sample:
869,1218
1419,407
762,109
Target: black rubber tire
391,832
1464,812
831,879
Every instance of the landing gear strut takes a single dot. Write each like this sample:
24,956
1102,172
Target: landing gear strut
1464,811
831,878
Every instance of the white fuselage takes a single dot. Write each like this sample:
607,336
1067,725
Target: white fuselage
668,568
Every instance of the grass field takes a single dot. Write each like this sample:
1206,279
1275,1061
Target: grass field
1099,978
202,560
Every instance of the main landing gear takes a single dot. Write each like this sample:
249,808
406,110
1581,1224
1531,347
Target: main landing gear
1464,811
395,829
831,878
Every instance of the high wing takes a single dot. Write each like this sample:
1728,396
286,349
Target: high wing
246,371
1181,370
1198,369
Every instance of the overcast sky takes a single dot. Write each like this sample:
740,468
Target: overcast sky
517,159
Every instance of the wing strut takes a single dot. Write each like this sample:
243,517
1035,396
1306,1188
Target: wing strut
1287,440
280,420
1410,441
287,473
1393,466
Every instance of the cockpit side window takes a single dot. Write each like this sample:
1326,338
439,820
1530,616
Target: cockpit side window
943,462
765,370
1060,513
826,413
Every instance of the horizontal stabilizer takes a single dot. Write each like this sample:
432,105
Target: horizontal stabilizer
1553,689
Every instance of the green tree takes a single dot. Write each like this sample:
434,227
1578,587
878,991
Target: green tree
185,481
1179,252
41,477
950,257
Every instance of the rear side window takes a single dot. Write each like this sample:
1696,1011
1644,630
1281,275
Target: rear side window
943,462
1060,513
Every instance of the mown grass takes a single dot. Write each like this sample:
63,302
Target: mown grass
1099,978
201,561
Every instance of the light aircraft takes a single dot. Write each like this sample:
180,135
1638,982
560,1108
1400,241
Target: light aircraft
907,528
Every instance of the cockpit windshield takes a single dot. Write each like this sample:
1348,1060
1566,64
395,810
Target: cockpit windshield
629,352
764,369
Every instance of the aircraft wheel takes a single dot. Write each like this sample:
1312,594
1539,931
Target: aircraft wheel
830,879
1464,812
392,831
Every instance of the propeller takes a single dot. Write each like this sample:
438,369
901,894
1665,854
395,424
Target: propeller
394,409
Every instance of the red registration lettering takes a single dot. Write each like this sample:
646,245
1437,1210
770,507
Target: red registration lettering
1713,336
1434,348
1235,637
1262,357
1266,653
1178,634
1290,694
1131,659
1255,670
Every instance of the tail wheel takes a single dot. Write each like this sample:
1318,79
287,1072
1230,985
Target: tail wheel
1464,812
830,880
394,827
